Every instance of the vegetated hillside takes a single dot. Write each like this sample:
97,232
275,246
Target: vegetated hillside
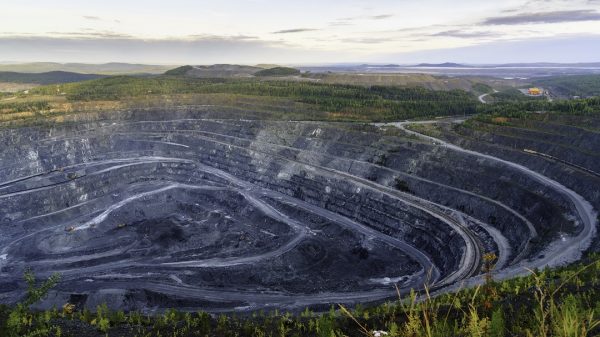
278,71
179,71
568,86
11,87
113,68
347,102
216,71
281,99
52,77
525,108
427,81
266,65
481,88
228,70
512,95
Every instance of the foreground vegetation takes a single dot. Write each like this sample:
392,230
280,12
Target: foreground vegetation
560,302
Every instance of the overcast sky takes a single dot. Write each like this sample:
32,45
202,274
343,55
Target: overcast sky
300,32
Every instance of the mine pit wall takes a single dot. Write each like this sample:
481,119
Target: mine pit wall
369,207
488,179
574,145
78,190
395,160
541,205
584,183
272,155
544,208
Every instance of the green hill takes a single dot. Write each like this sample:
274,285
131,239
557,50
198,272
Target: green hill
52,77
278,71
219,71
342,102
113,68
567,86
179,71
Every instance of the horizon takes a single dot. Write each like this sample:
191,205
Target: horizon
265,31
415,64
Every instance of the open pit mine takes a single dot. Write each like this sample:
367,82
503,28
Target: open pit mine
197,208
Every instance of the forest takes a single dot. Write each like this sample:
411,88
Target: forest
583,86
377,103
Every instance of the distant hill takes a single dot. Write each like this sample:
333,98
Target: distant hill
554,65
51,77
179,71
441,65
366,65
221,70
230,70
113,68
278,71
267,65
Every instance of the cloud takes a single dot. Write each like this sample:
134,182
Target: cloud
190,50
372,40
465,34
424,29
544,17
295,30
582,48
381,16
340,23
350,20
97,18
91,34
222,38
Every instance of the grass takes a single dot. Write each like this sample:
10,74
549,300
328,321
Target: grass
558,302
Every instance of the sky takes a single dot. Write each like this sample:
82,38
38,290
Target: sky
300,32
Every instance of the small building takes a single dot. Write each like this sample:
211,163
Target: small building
535,91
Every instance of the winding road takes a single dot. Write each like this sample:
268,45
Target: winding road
482,97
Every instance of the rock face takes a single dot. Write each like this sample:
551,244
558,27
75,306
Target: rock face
178,208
